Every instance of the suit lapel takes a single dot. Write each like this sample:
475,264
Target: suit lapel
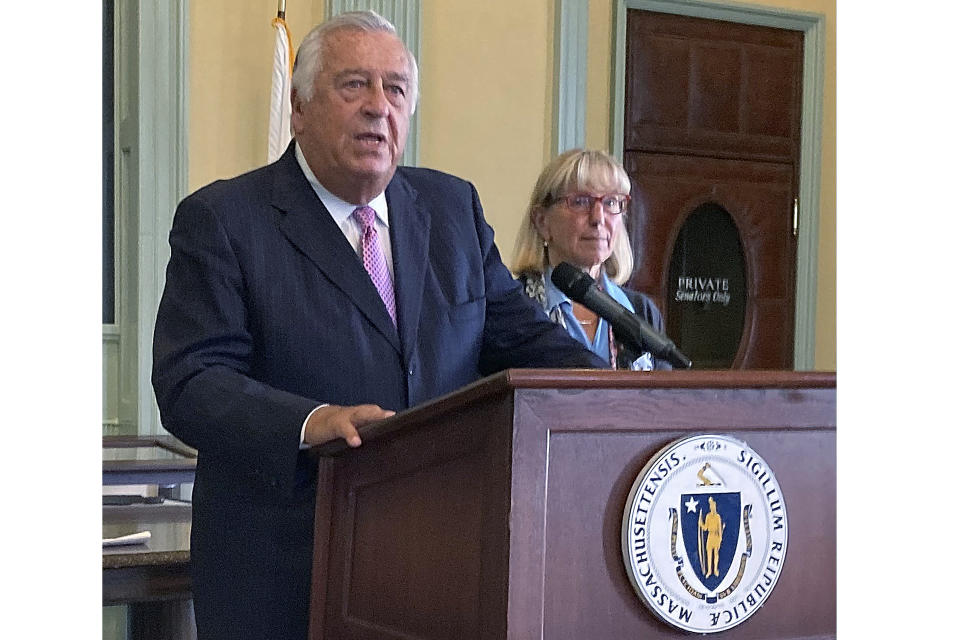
409,237
309,227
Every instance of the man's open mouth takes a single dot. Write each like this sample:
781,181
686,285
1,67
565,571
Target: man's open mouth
371,138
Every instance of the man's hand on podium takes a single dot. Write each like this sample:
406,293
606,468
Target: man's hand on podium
334,421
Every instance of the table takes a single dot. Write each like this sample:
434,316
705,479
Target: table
152,579
157,570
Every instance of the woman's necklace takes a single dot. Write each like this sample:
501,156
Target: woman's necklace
590,320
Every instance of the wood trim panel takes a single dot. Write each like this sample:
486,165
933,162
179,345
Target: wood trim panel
445,407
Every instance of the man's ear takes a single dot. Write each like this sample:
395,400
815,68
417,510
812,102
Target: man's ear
296,110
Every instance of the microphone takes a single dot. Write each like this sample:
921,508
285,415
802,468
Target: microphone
627,327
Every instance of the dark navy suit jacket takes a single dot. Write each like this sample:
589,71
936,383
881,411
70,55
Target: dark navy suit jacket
267,312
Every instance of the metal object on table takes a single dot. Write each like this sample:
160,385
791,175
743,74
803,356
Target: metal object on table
160,460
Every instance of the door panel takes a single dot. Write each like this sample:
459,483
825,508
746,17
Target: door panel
708,87
758,197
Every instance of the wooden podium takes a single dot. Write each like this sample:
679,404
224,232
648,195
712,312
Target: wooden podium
495,511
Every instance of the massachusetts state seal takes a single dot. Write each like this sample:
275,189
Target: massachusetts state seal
705,533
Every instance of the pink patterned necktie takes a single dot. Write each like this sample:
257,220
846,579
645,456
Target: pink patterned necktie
373,259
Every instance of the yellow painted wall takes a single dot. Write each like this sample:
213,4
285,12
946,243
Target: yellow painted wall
485,106
486,103
231,59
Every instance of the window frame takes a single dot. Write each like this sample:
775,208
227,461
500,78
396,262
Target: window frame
150,178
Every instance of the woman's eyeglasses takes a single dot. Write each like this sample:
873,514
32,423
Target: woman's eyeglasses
612,203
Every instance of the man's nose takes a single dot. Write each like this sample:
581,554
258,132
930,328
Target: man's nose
377,105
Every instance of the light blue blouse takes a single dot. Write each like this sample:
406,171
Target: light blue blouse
557,302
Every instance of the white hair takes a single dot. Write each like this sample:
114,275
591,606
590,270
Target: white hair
309,60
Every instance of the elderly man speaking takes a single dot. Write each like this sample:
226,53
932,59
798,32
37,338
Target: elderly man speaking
315,295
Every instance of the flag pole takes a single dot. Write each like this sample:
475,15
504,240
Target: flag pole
282,9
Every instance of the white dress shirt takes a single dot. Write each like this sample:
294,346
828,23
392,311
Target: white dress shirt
342,213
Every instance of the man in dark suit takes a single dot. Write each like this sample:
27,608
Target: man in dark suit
315,295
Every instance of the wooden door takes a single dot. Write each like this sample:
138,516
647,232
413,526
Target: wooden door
712,145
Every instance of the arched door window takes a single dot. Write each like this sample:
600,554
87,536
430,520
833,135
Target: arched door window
707,285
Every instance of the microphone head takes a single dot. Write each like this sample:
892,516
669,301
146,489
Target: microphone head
571,281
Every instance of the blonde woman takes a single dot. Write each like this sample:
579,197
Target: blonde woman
576,215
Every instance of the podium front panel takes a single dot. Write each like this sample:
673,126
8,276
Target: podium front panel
419,532
595,443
